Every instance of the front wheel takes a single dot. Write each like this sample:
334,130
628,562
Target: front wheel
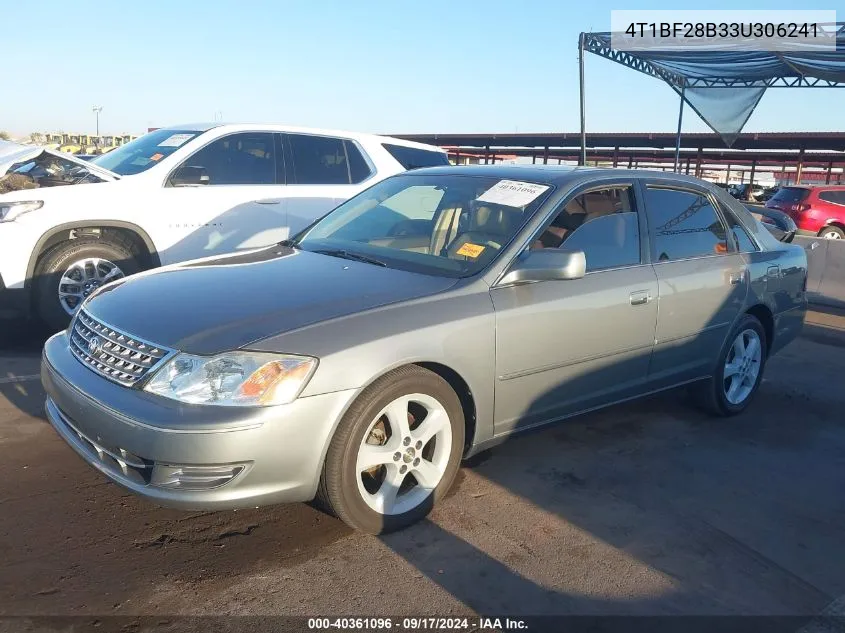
70,271
395,453
738,372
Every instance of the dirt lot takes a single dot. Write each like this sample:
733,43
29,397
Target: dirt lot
649,508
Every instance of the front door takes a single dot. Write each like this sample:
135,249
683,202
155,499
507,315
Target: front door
241,206
702,280
568,346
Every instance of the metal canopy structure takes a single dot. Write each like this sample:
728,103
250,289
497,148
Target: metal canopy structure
698,151
740,77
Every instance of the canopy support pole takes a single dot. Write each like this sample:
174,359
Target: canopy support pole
800,167
583,158
680,121
751,181
829,170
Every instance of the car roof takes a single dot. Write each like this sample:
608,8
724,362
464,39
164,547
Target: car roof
280,127
555,174
813,187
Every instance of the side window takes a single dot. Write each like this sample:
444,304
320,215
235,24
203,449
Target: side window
359,170
836,197
238,159
602,223
684,224
319,160
414,158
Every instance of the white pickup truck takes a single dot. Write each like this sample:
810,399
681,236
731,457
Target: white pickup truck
173,194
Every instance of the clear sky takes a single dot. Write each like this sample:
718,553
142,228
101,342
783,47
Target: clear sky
369,65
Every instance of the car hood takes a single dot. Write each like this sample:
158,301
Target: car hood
14,153
217,304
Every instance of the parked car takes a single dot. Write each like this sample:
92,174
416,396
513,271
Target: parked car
171,195
424,320
752,193
817,210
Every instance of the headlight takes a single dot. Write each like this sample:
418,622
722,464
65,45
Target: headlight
11,210
233,378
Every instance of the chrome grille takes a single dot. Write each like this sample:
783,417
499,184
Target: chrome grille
113,354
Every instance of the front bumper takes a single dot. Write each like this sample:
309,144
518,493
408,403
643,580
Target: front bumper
136,439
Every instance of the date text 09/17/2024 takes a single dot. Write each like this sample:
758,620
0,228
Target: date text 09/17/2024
476,623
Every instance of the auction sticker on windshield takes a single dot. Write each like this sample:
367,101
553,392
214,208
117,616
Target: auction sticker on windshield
470,250
512,193
175,140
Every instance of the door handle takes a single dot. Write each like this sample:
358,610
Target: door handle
269,201
640,297
773,271
736,278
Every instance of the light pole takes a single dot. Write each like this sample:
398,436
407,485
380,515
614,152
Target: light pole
96,110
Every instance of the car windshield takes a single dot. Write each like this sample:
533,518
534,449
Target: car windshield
447,225
790,194
144,152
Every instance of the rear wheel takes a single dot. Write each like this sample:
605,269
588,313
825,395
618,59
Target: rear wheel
832,233
739,370
395,453
72,270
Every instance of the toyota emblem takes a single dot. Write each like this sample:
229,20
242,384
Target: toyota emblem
94,346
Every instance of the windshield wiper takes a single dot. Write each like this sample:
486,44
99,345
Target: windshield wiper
289,243
339,252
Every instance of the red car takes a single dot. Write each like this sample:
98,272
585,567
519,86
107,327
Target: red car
816,210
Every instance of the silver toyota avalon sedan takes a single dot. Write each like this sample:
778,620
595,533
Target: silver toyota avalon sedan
420,322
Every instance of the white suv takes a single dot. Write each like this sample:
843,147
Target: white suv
173,194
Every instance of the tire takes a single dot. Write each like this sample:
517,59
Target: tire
832,233
352,494
53,264
712,394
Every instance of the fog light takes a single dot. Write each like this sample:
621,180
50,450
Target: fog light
194,477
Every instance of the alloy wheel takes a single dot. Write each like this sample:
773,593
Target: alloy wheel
742,366
83,277
404,454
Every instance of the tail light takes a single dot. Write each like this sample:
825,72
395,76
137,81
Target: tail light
800,207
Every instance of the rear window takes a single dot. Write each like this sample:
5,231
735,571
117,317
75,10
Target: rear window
791,194
414,158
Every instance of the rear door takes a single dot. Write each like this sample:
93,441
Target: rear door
702,279
567,346
323,171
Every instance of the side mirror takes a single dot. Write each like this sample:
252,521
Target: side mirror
188,176
547,264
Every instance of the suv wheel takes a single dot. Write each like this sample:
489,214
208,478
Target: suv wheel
832,233
72,270
395,453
